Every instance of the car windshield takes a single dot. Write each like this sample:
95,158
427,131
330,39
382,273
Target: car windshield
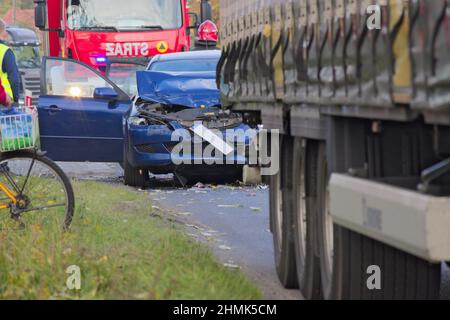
185,65
27,57
124,76
123,15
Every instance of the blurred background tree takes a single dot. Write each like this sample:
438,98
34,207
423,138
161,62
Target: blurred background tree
5,5
18,12
195,7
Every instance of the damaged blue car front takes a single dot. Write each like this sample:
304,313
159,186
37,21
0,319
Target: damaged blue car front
161,130
174,123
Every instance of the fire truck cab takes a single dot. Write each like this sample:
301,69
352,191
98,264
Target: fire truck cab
97,32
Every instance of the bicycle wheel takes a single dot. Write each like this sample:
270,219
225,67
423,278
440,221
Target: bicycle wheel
44,195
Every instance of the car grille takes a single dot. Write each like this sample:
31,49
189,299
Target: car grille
146,148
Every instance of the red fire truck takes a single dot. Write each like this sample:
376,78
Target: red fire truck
97,32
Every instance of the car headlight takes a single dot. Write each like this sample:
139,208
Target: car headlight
75,91
136,121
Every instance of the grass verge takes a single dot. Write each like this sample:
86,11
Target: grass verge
121,251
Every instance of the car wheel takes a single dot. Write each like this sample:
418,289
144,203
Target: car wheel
134,177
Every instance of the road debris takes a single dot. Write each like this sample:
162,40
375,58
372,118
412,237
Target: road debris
230,206
155,215
200,185
231,265
207,234
184,213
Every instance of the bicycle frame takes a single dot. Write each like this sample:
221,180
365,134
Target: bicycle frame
10,194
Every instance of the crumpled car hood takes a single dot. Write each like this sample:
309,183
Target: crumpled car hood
193,90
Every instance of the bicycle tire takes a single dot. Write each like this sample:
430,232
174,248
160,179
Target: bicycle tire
40,156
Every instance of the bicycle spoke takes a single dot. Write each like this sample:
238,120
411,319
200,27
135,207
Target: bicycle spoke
28,176
11,181
43,208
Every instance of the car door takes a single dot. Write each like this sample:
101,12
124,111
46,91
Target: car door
80,113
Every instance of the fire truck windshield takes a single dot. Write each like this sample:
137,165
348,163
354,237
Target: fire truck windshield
122,15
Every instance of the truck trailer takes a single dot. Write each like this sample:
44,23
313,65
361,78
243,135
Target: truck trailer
360,94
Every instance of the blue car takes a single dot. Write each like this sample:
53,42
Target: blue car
85,116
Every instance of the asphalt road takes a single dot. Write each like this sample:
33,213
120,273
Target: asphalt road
233,221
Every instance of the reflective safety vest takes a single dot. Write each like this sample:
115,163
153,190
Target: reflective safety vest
3,75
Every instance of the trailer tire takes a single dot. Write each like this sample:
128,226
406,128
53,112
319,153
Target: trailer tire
324,225
281,220
303,191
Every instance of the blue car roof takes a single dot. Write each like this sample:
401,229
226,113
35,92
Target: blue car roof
189,55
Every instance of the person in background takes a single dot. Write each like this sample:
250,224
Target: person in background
9,72
5,100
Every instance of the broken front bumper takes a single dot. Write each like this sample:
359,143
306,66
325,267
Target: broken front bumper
152,146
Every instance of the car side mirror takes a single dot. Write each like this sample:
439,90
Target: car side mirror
40,14
106,93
